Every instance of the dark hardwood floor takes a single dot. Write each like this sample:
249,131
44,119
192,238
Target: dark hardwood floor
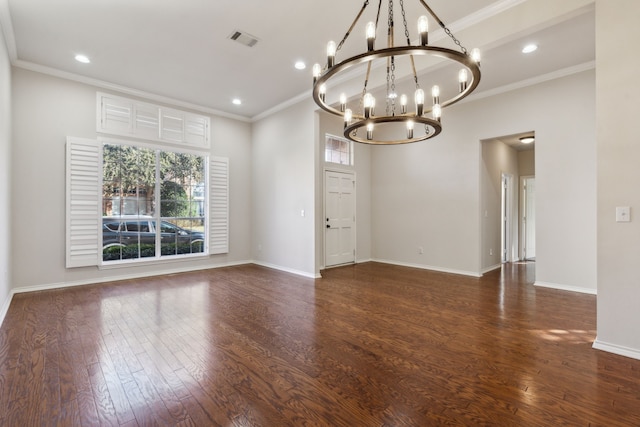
366,345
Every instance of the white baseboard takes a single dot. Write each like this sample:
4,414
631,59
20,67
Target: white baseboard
429,267
566,287
5,307
95,280
288,270
493,267
633,353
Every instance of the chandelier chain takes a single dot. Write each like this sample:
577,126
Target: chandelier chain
390,62
393,86
455,40
406,34
404,22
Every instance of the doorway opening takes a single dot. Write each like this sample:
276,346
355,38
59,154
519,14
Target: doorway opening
508,220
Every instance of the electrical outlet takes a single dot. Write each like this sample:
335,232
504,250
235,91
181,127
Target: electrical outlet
623,214
420,250
490,251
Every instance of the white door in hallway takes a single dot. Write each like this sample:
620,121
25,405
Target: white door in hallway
529,220
340,219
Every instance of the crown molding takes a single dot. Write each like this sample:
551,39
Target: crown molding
7,30
558,74
124,89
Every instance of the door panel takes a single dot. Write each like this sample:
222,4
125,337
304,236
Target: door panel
530,219
339,218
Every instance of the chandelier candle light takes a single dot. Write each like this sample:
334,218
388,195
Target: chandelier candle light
401,120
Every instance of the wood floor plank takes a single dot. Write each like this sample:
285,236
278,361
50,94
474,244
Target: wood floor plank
365,345
83,391
100,391
167,385
144,415
69,414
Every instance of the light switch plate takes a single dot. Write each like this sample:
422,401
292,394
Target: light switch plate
623,214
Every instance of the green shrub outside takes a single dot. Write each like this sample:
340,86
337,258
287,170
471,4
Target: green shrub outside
113,253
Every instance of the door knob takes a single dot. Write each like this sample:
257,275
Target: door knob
328,226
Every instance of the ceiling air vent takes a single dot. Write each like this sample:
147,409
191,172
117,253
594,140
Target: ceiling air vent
244,38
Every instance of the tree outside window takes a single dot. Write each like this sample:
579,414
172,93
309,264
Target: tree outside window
133,221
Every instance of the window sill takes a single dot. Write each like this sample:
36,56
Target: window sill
140,262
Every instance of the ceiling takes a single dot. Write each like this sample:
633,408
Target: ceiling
181,50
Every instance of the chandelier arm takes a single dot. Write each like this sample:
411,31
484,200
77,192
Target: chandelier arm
433,14
364,92
353,24
378,14
415,72
444,27
366,78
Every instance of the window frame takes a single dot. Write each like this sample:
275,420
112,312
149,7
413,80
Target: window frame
350,145
156,219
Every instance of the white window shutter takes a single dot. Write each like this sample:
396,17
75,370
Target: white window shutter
131,118
172,125
84,164
196,130
146,122
218,205
116,115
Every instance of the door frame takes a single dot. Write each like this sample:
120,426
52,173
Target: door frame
324,212
506,218
523,212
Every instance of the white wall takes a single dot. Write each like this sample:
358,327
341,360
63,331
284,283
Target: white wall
527,162
428,194
284,171
618,176
45,111
5,176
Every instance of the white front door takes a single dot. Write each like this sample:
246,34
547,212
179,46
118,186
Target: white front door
339,216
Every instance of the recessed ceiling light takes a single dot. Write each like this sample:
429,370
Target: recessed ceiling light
529,48
300,65
527,139
83,58
236,101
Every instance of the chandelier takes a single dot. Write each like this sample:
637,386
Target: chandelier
399,121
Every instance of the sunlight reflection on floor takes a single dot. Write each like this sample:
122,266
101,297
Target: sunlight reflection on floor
574,336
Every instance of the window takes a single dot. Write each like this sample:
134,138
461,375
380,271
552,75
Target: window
120,203
152,203
338,150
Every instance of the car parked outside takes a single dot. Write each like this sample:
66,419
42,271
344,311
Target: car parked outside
127,237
